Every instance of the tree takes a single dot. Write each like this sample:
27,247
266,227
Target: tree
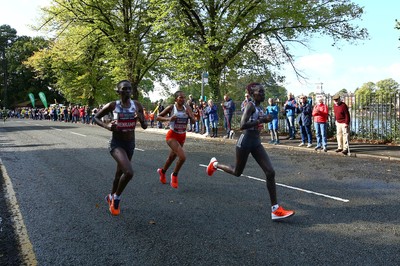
363,94
123,27
387,87
7,36
209,35
21,77
80,71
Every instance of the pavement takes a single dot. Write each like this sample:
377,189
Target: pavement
358,149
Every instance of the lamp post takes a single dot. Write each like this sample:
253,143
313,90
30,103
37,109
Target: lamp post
204,80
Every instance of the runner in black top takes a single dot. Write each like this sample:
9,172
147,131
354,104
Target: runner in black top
122,144
250,142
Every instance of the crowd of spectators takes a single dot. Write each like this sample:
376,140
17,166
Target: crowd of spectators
301,112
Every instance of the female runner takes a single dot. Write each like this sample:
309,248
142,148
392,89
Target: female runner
250,142
122,144
178,115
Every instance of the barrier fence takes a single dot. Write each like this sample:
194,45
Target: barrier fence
372,117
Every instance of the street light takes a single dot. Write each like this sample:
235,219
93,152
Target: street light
204,80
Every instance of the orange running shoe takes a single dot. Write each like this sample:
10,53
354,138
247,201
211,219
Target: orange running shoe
163,179
210,168
114,207
174,181
281,213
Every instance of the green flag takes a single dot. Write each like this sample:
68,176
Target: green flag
32,98
43,99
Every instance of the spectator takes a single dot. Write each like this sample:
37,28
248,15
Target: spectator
246,100
65,112
290,107
342,117
305,121
201,107
94,112
320,114
273,110
213,117
151,117
229,108
191,102
160,108
196,114
82,114
206,118
88,113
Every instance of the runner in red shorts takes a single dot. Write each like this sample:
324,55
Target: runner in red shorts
178,115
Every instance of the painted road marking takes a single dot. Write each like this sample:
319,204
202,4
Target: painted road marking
77,134
26,247
292,187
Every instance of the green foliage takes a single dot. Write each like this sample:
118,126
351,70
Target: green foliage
122,36
21,77
387,87
364,93
212,35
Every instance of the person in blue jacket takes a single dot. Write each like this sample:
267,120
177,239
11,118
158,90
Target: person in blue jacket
290,107
273,110
305,121
213,117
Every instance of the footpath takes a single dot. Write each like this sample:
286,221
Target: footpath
357,149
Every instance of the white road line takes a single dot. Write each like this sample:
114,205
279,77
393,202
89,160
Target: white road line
26,248
291,187
56,128
77,134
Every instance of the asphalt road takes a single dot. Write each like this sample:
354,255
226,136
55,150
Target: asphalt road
347,209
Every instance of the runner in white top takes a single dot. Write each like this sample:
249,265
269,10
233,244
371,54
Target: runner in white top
177,115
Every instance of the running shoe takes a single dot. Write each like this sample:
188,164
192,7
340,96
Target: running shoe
210,168
309,145
302,144
163,179
174,181
281,213
114,207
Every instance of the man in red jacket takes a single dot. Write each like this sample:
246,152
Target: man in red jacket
342,117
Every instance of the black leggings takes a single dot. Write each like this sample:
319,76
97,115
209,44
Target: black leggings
246,144
251,143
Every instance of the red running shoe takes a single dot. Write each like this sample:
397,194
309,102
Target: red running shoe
163,179
281,213
210,168
114,207
174,181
